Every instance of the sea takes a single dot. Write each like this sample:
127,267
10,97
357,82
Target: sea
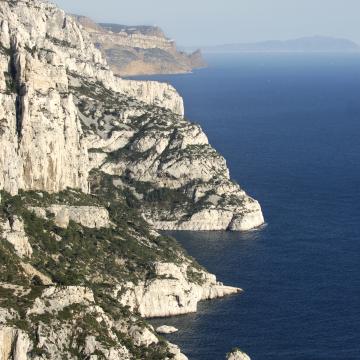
289,127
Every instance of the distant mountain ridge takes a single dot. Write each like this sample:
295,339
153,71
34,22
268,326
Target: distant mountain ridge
304,44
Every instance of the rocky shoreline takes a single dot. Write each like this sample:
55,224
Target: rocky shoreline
92,166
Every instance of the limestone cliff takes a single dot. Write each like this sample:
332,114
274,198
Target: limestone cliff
41,135
64,113
91,166
140,50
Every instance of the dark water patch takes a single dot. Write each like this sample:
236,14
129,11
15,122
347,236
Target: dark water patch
289,127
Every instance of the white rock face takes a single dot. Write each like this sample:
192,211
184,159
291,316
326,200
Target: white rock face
152,92
117,140
166,329
212,218
42,130
14,344
204,220
237,355
88,216
13,231
56,337
252,218
171,293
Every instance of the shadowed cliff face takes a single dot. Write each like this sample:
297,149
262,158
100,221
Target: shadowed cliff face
140,50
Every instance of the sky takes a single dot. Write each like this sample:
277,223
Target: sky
213,22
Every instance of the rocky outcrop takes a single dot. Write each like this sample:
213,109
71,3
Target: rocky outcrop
197,59
176,352
94,347
211,218
171,292
178,166
13,231
88,216
237,355
143,336
33,273
14,344
140,50
58,336
5,315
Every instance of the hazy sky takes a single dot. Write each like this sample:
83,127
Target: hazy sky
207,22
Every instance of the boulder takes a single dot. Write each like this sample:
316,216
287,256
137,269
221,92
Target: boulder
166,329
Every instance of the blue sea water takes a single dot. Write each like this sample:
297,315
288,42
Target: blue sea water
289,127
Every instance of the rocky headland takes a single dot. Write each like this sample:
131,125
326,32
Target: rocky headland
91,167
140,50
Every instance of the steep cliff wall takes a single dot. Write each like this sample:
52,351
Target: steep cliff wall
41,135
